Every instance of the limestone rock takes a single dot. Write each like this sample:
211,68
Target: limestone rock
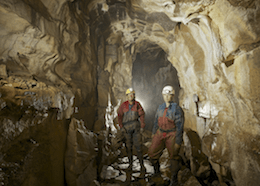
32,145
80,156
71,54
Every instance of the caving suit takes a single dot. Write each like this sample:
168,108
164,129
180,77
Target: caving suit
167,130
128,119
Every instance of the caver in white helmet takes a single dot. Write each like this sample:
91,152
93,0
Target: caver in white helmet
168,90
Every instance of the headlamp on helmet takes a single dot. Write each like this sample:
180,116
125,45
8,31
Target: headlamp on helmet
168,90
130,90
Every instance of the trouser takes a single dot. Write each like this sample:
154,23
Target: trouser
174,168
133,137
160,141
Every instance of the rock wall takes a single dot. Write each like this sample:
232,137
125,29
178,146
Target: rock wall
48,74
217,65
60,59
213,45
48,42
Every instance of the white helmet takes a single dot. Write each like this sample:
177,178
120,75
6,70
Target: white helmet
168,90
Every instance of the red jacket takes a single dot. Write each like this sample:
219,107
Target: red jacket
124,110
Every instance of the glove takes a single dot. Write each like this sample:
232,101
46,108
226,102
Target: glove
123,130
176,149
141,130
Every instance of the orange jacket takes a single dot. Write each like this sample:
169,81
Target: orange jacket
136,112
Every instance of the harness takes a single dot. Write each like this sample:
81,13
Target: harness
130,122
167,131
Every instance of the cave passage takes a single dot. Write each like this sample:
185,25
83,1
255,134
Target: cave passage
151,72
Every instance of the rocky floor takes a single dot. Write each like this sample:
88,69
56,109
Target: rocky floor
116,172
116,175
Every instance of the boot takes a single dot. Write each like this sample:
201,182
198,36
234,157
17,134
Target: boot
142,171
141,161
130,157
129,168
156,167
174,179
128,178
175,167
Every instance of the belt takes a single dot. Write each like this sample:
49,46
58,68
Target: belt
170,130
130,122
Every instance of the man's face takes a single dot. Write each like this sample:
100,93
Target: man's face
168,97
130,97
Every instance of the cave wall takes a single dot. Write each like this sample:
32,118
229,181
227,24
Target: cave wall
61,59
50,43
48,76
214,47
218,53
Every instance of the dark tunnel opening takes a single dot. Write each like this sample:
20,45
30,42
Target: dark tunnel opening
151,72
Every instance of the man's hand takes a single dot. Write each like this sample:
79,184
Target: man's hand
141,130
176,149
123,130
